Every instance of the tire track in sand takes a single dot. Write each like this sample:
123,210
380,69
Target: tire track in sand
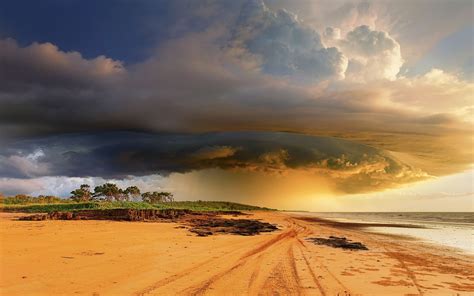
195,268
393,253
313,275
321,265
204,286
181,274
409,272
284,276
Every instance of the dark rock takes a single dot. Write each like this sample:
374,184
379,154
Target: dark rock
201,232
37,217
338,242
233,226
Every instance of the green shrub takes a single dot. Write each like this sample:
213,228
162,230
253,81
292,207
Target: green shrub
73,206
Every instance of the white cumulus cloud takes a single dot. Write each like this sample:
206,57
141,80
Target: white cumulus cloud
372,54
284,45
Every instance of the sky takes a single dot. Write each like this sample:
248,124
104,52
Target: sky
318,105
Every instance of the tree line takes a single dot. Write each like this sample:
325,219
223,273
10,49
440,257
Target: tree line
111,192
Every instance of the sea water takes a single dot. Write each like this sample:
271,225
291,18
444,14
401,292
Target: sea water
450,229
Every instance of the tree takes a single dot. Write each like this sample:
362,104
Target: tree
132,191
121,196
156,197
53,199
22,198
109,190
81,194
147,197
167,196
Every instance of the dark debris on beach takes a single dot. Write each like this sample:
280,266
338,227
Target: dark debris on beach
210,226
338,242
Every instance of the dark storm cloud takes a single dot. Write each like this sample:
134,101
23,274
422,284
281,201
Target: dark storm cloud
117,155
218,78
192,83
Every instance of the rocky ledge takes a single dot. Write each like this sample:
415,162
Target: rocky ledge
200,223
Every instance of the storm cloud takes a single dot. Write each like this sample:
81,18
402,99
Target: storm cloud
252,68
356,167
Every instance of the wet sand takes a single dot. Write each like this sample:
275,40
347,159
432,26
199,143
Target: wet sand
140,258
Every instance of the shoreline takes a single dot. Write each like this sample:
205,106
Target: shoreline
154,258
454,232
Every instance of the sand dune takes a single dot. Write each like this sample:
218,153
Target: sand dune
138,258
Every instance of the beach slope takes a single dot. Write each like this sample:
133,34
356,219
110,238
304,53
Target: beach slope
140,258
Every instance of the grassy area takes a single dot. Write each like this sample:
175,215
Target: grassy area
211,206
191,205
44,207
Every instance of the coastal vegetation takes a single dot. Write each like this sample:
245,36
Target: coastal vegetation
110,196
111,192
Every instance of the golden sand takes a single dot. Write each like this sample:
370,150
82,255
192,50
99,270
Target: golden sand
138,258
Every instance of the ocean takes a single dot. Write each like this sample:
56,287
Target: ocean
450,229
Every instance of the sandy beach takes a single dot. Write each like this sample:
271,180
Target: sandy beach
153,258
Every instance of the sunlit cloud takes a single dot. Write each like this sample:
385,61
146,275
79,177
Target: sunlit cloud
341,71
343,166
